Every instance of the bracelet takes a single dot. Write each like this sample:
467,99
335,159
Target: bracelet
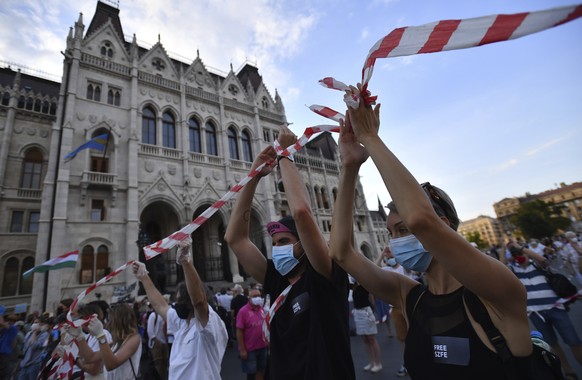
289,157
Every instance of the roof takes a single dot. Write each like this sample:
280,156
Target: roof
38,85
103,13
324,143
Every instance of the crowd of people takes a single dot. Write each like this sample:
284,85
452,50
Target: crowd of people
294,325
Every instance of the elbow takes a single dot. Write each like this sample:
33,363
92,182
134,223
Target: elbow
301,212
422,221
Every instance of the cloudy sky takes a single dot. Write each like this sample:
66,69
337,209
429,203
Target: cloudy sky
484,123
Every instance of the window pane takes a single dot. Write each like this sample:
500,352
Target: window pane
16,223
102,263
110,97
97,95
246,147
10,277
194,134
26,283
87,258
33,219
168,131
148,129
97,210
211,140
232,144
32,170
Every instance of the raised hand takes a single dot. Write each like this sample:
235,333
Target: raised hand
365,120
351,152
183,255
95,327
139,270
268,154
286,137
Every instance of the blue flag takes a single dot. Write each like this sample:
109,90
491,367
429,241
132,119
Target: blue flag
98,143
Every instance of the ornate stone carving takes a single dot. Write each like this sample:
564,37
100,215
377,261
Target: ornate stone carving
149,166
44,133
17,129
197,172
161,187
80,116
216,175
93,119
31,131
172,169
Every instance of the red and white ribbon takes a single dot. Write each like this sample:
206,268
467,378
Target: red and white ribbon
272,311
327,112
171,241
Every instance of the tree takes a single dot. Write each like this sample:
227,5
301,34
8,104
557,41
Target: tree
475,237
539,219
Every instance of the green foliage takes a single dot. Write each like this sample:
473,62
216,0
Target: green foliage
475,237
539,219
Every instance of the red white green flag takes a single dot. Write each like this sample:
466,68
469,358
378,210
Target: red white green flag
68,260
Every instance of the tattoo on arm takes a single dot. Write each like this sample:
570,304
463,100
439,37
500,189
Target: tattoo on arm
247,215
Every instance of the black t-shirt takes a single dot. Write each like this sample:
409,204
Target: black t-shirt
361,297
237,303
310,332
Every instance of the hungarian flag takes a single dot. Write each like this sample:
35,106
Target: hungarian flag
68,260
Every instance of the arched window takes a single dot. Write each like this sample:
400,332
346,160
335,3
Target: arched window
37,105
148,126
45,107
10,283
168,130
232,144
246,146
334,192
265,102
114,97
90,91
26,283
29,103
101,262
194,136
211,148
100,159
87,257
32,170
6,98
317,196
324,198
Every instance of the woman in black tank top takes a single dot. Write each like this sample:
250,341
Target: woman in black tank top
443,341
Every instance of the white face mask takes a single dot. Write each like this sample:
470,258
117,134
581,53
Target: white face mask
34,327
257,301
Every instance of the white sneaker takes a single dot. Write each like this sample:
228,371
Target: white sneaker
368,367
402,372
376,368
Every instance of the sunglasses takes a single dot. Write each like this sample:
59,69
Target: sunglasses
434,195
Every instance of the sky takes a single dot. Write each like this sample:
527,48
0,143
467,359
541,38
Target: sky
483,123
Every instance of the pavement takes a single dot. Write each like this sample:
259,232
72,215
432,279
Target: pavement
391,354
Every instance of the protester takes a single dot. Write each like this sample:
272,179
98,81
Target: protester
252,347
158,343
200,337
8,336
546,314
121,360
442,341
239,299
35,345
366,326
308,316
570,252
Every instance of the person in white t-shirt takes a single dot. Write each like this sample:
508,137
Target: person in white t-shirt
200,337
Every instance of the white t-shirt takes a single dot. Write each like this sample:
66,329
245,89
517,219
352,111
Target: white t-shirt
197,351
156,328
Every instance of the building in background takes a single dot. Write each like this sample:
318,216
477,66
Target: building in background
180,136
567,197
489,229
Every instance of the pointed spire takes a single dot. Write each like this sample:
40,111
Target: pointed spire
79,27
17,79
279,103
197,53
231,67
381,210
134,47
80,20
159,38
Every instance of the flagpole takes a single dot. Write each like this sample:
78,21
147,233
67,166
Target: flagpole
55,179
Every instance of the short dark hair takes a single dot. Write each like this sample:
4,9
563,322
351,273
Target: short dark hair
450,214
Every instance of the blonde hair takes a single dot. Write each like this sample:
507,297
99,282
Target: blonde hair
122,323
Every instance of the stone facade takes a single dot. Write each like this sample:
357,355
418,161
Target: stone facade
489,229
180,136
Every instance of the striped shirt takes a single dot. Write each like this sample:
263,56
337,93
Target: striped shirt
540,295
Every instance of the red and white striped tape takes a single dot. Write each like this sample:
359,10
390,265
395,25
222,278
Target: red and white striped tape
171,241
461,34
327,112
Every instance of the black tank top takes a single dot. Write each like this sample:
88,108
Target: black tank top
441,342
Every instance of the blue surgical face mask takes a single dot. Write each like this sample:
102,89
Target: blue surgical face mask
391,261
283,258
410,253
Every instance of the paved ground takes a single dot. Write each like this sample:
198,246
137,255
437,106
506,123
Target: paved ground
391,356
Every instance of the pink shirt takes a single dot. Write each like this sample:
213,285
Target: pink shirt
250,321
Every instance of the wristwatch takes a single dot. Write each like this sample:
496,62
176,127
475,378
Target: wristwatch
102,339
289,157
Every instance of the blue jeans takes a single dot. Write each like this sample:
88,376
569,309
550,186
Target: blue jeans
29,372
555,319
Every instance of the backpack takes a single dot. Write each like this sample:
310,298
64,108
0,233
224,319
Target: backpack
558,282
544,364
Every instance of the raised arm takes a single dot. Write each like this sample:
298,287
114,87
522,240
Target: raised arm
237,230
193,283
385,285
469,266
311,237
154,296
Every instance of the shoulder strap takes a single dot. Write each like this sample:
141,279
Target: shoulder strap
481,316
413,298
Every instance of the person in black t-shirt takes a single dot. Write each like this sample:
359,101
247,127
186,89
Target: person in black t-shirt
308,318
443,341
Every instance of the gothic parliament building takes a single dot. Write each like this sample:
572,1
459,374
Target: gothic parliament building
180,138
